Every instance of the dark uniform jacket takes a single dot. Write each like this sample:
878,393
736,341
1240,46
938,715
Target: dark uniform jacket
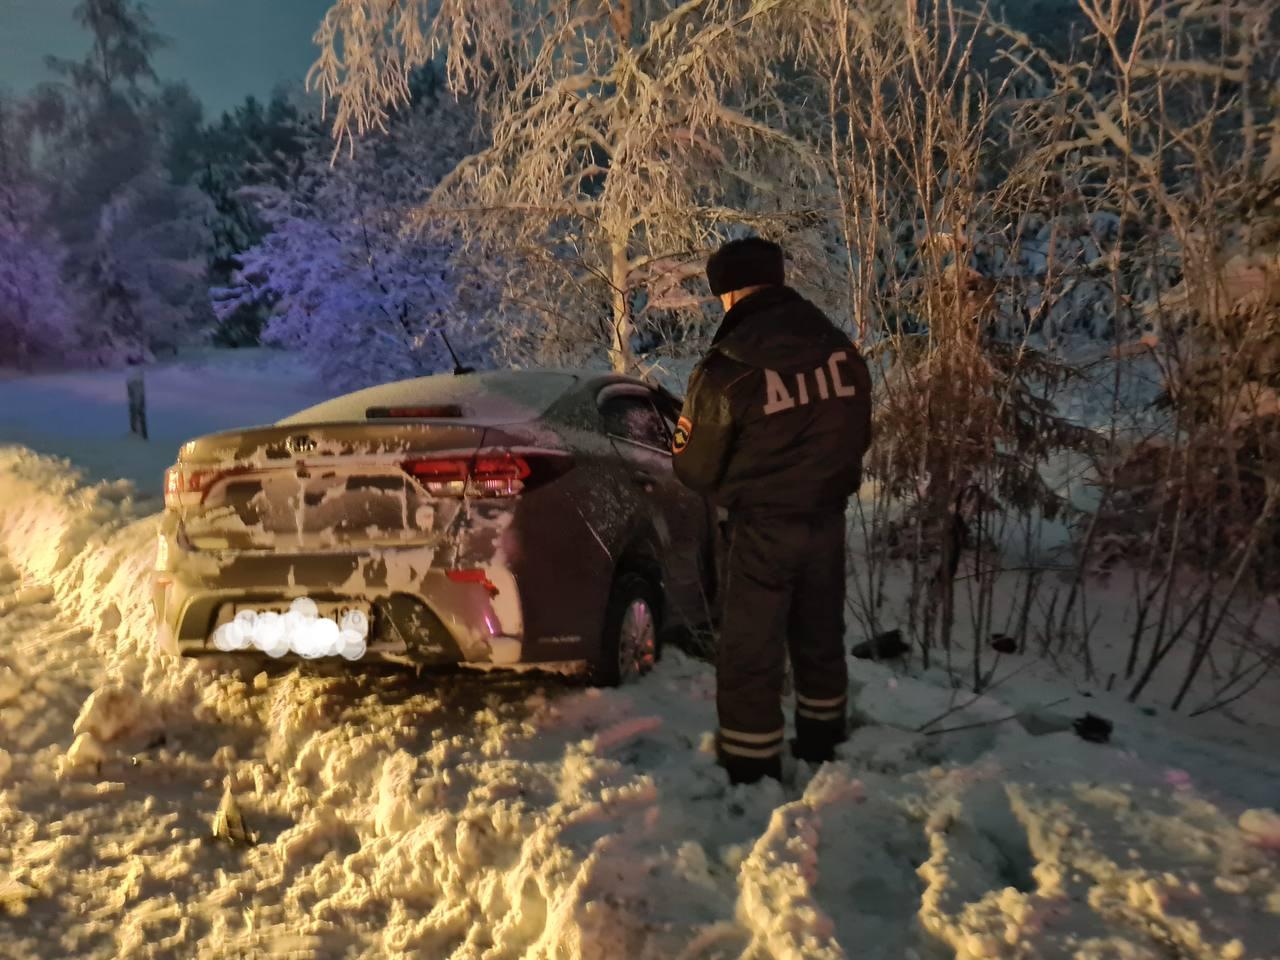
778,415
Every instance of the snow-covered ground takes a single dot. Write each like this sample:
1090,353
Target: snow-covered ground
492,816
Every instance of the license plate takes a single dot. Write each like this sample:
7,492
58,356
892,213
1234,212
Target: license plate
334,610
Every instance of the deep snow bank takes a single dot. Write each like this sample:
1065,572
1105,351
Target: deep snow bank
467,816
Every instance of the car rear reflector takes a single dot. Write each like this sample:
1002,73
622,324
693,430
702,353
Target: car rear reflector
473,576
438,411
185,487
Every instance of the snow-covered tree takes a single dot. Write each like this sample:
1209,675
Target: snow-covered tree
37,315
145,270
135,239
345,283
255,144
623,137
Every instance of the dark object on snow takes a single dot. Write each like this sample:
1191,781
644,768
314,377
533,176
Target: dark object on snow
884,646
1003,643
1093,728
137,404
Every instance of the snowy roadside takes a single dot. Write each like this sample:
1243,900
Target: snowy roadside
502,817
83,415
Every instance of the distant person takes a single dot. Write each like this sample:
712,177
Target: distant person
774,429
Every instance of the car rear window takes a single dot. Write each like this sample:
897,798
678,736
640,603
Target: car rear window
509,396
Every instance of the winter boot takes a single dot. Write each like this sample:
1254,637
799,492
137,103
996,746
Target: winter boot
816,740
750,769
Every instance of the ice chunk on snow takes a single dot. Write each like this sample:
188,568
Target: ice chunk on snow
1262,827
394,811
228,823
84,751
9,685
110,712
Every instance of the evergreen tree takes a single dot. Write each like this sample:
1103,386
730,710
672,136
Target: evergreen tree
135,237
37,314
342,281
251,146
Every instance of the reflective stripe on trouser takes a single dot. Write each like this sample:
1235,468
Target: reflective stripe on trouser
784,591
820,708
740,744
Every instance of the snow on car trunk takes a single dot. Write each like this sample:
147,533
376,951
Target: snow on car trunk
466,816
328,486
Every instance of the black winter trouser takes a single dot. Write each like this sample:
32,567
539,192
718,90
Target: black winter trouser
784,590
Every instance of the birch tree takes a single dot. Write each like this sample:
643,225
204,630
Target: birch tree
622,138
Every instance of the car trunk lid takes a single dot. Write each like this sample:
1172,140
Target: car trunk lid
309,487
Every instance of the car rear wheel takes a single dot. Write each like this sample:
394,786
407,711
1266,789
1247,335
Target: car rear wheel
629,647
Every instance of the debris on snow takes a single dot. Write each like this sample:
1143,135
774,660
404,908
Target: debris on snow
228,822
888,645
1003,643
1093,728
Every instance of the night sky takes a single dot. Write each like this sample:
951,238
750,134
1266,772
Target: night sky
225,49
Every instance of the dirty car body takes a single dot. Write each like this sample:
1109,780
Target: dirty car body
477,519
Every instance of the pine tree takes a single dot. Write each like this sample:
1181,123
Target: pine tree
251,146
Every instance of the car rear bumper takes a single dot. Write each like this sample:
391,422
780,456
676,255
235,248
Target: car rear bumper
428,617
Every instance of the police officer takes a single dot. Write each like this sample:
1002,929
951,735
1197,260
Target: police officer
774,428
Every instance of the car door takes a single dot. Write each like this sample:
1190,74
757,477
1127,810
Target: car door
642,438
703,521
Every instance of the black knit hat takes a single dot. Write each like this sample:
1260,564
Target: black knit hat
750,262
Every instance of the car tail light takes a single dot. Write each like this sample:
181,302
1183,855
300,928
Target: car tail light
485,475
185,487
436,412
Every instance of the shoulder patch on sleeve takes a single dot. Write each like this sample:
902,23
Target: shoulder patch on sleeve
680,440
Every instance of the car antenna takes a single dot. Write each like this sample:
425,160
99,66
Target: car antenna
458,368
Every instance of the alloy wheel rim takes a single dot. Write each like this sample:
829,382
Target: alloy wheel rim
637,640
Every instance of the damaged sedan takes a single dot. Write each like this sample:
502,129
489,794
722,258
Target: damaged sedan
507,519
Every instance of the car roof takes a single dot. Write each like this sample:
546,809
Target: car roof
491,396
